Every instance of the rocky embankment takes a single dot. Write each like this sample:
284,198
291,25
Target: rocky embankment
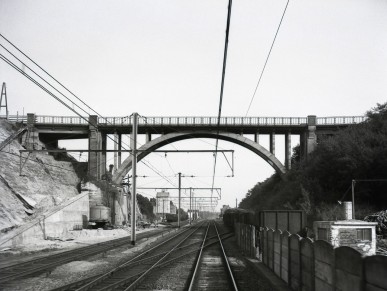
44,182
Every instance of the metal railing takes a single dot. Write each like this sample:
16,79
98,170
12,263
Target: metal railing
340,120
76,120
192,120
15,118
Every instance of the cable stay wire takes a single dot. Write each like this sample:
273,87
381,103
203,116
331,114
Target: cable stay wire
221,90
267,59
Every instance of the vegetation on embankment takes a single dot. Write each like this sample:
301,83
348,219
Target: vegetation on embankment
317,184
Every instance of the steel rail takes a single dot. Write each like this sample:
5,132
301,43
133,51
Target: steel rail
226,260
82,282
128,263
136,282
198,261
59,258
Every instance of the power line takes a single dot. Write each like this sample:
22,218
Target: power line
267,58
222,86
9,62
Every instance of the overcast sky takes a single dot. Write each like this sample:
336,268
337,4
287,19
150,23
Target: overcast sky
164,58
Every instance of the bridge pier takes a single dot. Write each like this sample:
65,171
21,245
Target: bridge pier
31,137
272,143
94,135
288,151
308,139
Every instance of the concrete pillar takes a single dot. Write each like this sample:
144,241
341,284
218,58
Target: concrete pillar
32,135
119,148
115,153
288,151
102,161
148,137
93,145
312,137
256,137
272,143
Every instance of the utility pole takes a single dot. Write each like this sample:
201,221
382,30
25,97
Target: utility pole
190,205
236,202
134,173
353,198
178,210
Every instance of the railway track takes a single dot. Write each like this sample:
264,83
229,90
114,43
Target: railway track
45,264
191,259
128,275
212,269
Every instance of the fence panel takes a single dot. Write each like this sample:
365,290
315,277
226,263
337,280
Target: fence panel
265,247
307,264
348,269
375,273
285,256
270,248
277,252
295,263
324,266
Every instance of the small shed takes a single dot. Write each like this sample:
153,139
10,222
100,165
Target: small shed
357,234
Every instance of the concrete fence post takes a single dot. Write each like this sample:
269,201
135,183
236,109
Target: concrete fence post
285,256
277,252
270,248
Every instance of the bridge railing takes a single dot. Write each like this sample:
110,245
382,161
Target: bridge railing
193,120
15,118
62,119
213,121
340,120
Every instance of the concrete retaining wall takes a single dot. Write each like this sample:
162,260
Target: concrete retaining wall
73,214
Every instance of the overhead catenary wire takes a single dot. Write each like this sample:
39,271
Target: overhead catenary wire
267,59
222,87
9,62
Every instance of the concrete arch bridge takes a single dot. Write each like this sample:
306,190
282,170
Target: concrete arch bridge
50,129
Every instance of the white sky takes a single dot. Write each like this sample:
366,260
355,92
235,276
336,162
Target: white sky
164,58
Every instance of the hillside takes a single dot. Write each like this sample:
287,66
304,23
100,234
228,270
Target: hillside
318,184
44,183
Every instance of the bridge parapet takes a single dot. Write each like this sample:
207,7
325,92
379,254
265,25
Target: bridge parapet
192,120
195,120
341,120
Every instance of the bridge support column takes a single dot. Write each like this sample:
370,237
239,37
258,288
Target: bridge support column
308,140
115,160
102,160
119,148
256,137
148,137
31,137
288,151
93,169
272,143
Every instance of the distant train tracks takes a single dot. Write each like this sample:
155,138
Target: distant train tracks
40,265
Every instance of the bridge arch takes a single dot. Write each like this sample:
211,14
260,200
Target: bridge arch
173,137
